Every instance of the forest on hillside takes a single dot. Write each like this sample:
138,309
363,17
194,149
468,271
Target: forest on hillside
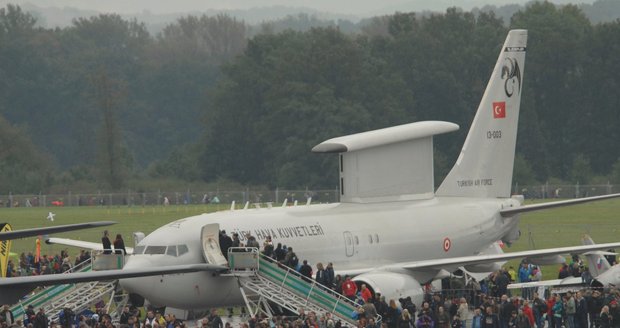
103,101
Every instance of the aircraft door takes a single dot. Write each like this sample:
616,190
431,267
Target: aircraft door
349,243
210,240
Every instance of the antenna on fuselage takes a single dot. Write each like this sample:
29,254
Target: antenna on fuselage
295,203
247,204
232,206
285,202
309,201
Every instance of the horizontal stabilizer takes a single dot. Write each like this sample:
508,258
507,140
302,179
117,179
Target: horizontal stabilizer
543,206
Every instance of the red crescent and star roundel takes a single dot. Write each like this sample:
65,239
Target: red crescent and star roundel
499,109
446,244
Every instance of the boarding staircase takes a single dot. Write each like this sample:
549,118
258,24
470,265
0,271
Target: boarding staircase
263,280
77,296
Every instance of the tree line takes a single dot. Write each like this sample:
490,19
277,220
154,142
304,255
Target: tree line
102,101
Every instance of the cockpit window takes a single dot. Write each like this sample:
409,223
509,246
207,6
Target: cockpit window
182,249
150,250
138,250
172,250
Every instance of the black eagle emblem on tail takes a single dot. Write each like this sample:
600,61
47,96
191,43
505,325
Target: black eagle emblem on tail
512,74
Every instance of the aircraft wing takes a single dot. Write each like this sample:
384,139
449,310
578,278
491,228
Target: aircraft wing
12,289
543,206
81,244
54,229
455,262
570,281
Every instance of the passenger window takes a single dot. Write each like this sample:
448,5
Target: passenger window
357,241
376,238
138,250
182,249
370,238
172,251
152,250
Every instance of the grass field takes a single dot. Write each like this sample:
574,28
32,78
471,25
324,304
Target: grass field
551,228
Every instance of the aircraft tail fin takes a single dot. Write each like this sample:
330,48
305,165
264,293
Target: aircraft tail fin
597,263
484,166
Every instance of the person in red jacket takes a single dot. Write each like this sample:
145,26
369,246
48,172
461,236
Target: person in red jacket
528,312
365,293
550,304
349,288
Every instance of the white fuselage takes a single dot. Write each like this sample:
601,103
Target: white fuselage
354,237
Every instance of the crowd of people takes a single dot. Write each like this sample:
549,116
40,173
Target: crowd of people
33,265
284,255
484,304
30,265
590,308
130,317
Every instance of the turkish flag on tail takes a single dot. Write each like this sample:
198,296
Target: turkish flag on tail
499,109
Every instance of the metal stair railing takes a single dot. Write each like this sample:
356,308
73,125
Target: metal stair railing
45,295
309,289
266,290
280,284
80,298
117,303
253,295
77,296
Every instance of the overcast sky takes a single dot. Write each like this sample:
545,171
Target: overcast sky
347,7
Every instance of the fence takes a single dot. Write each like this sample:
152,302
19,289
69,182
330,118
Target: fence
188,197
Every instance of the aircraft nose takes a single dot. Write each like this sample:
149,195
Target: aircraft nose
135,262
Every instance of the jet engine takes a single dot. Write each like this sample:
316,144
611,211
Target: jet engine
392,285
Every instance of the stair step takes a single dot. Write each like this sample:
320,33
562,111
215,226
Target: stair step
278,284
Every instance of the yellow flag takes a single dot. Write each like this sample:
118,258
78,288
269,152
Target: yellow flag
5,249
37,250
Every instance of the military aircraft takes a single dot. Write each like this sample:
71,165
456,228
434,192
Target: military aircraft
391,230
603,273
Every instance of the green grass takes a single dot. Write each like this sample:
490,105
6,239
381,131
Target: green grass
544,229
